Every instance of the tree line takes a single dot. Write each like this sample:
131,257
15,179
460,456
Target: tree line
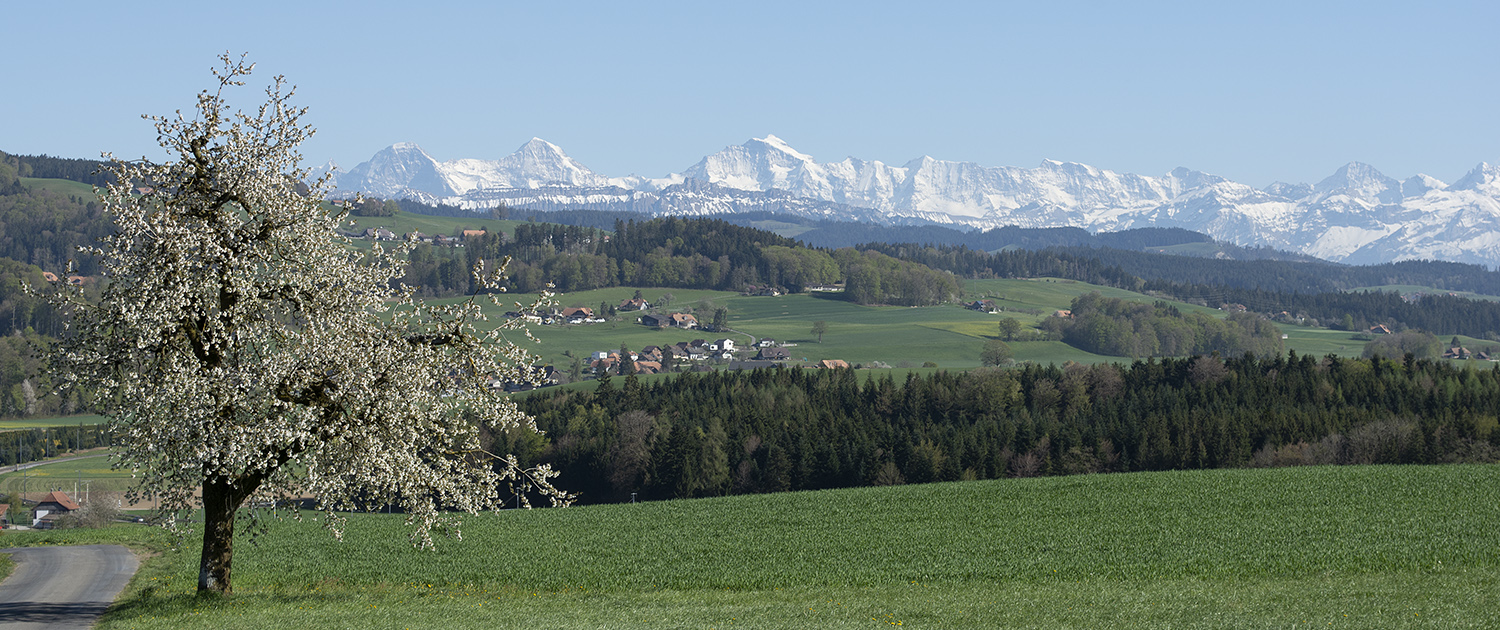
773,430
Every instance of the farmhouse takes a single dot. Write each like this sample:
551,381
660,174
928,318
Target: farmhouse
48,509
1064,313
723,345
683,320
1458,352
634,304
829,364
983,306
577,314
1380,329
773,354
468,234
655,321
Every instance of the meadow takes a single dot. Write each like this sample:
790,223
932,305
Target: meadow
949,335
1365,547
404,222
75,476
10,424
60,186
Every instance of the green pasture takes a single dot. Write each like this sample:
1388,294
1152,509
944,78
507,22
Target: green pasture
948,335
63,421
1350,547
73,476
405,222
63,187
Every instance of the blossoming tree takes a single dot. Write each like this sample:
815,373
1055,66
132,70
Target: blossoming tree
244,351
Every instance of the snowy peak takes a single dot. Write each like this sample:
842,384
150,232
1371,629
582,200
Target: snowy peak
1484,178
1356,215
1420,184
1289,191
404,168
760,164
780,145
1362,181
395,169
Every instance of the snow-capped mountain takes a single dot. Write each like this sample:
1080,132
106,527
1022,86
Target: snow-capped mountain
1356,215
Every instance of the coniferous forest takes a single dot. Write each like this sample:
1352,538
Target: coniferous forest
770,430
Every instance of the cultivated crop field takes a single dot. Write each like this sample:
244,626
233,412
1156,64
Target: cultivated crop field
1350,547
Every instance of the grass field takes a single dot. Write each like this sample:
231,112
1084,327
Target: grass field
73,477
1351,547
60,186
405,222
63,421
948,335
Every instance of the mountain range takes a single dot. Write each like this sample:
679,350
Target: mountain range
1356,215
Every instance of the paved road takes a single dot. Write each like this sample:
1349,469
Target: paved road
62,587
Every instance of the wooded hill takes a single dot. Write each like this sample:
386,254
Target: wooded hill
1349,310
770,430
680,253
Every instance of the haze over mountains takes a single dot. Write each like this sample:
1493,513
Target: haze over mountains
1356,215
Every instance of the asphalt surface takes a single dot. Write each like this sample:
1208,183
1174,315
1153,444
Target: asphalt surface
62,587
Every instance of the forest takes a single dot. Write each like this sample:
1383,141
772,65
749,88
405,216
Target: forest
771,430
1115,327
677,253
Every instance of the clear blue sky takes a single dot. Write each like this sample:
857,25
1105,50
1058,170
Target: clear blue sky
1257,92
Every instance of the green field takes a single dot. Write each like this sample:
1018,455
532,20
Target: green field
60,186
73,477
1350,547
64,421
948,335
405,222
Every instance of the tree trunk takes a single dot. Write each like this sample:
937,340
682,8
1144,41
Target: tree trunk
221,499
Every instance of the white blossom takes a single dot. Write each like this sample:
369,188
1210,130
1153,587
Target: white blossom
242,347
